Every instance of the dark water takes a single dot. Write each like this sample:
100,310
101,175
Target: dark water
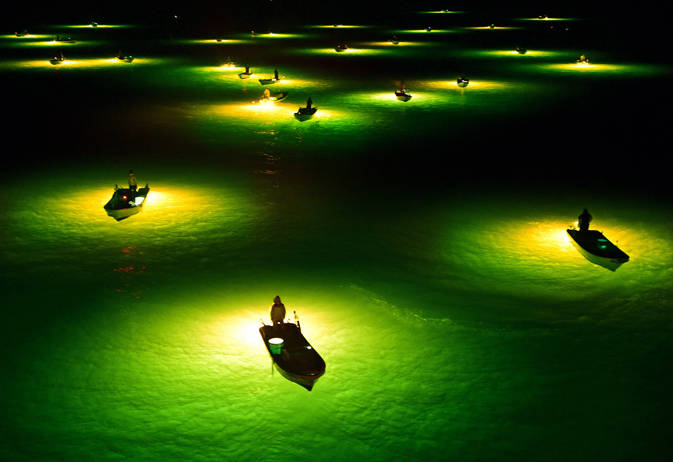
422,244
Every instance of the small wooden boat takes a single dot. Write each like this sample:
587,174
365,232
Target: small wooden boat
260,33
292,355
245,75
596,248
341,48
276,97
64,39
94,24
126,59
57,59
521,51
125,203
394,41
403,95
304,114
267,81
463,82
21,34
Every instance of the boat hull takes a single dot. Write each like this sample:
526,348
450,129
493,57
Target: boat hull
120,207
596,248
305,114
268,81
296,359
402,96
244,75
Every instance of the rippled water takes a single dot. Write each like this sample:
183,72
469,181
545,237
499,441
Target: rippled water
422,244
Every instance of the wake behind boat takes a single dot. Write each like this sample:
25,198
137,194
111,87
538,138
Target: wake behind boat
292,355
125,202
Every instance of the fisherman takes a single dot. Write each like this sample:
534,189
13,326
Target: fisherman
309,103
247,69
267,95
277,313
133,181
584,220
275,74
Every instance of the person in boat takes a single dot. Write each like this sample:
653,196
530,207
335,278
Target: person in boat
584,220
309,103
247,69
266,96
277,313
133,181
275,74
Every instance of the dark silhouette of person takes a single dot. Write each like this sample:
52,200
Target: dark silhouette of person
275,74
309,103
584,220
277,313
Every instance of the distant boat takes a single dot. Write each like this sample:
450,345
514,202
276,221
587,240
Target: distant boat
57,59
304,114
596,248
94,24
462,82
341,48
292,354
261,33
126,59
245,75
126,203
273,98
403,95
521,51
265,81
394,41
64,39
21,34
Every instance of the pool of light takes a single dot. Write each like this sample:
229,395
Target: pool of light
529,53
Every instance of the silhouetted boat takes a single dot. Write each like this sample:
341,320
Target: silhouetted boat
341,48
125,203
94,24
126,59
57,59
21,34
64,40
267,81
273,97
521,51
596,248
293,356
463,82
403,95
304,114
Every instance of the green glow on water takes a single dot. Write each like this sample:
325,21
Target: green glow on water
492,28
208,41
511,53
342,26
548,19
440,12
101,26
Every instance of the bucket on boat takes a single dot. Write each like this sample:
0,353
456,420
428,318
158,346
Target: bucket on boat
275,344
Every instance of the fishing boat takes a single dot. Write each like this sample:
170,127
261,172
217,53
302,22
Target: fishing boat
304,113
268,81
596,248
463,82
272,98
94,24
64,39
394,41
245,75
403,95
57,59
292,355
21,34
341,48
126,203
126,59
521,51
